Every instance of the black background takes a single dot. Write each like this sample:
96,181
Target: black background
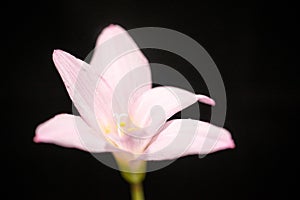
253,46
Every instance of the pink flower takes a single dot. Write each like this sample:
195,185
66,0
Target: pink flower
116,108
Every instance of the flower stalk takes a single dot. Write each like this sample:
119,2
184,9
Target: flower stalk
136,184
137,192
134,173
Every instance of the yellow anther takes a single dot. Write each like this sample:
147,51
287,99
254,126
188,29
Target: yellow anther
107,130
132,129
122,124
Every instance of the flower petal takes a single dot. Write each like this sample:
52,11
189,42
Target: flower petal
81,81
185,137
71,131
68,67
162,103
205,99
119,60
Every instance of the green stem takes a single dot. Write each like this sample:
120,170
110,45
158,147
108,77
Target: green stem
133,172
136,184
137,192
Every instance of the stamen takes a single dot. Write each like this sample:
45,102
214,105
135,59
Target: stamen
122,124
107,130
112,142
132,129
120,132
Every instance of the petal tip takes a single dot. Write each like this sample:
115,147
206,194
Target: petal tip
56,51
206,100
232,144
212,102
113,26
229,144
36,139
109,32
113,29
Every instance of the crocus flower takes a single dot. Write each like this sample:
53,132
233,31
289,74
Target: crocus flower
116,106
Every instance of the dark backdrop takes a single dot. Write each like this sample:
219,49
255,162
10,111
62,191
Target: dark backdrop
253,46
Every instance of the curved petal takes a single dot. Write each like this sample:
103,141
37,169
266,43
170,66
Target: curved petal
205,99
71,131
185,137
81,80
68,67
119,61
162,103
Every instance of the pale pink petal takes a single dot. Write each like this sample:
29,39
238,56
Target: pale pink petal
132,144
119,61
71,131
185,137
68,67
160,103
205,99
81,80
